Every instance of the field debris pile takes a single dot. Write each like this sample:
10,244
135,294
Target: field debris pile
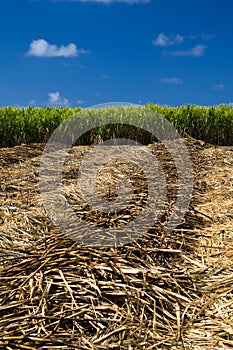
161,291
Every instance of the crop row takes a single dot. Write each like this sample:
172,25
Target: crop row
35,125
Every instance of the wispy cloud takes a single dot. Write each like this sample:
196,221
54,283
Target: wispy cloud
32,102
197,51
80,102
105,76
218,87
55,98
207,36
163,40
105,2
41,48
173,80
203,36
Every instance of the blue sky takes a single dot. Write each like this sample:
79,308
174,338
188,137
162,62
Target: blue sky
73,52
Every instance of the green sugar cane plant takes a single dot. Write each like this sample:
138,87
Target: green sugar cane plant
33,125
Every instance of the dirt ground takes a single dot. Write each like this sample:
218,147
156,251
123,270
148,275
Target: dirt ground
196,314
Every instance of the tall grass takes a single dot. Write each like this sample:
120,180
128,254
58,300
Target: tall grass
32,125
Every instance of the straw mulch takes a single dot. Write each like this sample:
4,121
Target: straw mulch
162,291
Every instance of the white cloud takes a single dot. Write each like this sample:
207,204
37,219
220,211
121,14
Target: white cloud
218,87
80,102
129,2
41,48
32,102
196,51
173,80
204,36
56,99
105,76
164,40
107,2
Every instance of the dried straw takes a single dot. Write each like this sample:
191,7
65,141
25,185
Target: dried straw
158,292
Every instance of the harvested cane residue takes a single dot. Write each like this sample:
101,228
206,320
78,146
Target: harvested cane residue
161,291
